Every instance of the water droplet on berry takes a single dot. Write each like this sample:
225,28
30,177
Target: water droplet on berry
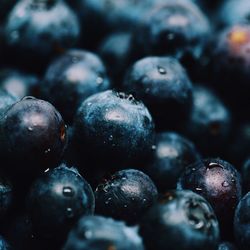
225,184
30,128
70,213
161,70
99,80
68,192
47,151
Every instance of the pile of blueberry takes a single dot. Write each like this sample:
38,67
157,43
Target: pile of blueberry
125,125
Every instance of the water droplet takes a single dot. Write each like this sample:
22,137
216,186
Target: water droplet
108,201
30,128
144,200
70,213
110,137
198,189
68,192
47,170
225,184
154,147
214,165
198,224
47,151
125,206
99,80
124,178
193,169
233,180
161,70
89,103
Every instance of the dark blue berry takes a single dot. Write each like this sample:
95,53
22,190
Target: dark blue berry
33,137
242,223
96,232
114,129
172,153
125,195
163,85
57,200
181,220
219,183
73,77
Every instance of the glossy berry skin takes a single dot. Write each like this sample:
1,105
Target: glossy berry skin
226,246
210,121
173,27
33,137
114,129
126,195
115,50
172,153
57,200
242,223
39,29
96,232
181,220
18,84
77,74
219,183
163,85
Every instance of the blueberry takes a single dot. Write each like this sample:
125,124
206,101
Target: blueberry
181,220
231,59
126,195
100,17
35,30
96,232
33,137
219,183
114,129
172,154
78,74
57,200
163,85
173,27
17,83
226,246
115,50
242,223
210,121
